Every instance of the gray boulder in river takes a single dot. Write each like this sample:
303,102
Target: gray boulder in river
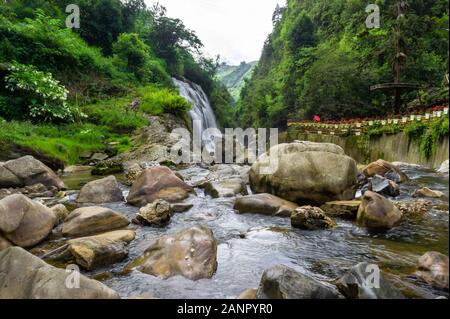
433,268
378,212
306,172
87,221
27,171
25,222
363,282
265,204
282,282
25,276
105,190
191,253
158,183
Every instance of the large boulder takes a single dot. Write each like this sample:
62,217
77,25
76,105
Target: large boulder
282,282
362,282
25,222
155,214
306,173
191,253
378,212
24,276
101,250
226,188
87,221
433,268
265,204
27,171
158,183
311,218
385,169
105,190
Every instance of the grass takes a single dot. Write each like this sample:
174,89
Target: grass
116,114
66,142
156,100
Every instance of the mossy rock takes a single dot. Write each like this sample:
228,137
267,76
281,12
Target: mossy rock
107,168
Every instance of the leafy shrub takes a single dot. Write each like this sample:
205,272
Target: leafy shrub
36,95
157,100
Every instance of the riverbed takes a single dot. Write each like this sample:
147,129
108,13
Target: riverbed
250,244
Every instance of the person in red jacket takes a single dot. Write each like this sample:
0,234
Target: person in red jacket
316,118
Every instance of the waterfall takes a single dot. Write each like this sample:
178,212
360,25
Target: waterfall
201,113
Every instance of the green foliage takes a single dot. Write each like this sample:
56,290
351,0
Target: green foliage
138,59
156,101
116,114
428,135
321,59
62,142
35,95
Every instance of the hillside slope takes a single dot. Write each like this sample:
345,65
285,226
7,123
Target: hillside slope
321,59
233,76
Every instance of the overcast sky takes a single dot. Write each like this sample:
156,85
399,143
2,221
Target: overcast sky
235,29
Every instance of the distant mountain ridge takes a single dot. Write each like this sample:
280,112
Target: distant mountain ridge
233,76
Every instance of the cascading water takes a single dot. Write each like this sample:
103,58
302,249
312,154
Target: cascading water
201,113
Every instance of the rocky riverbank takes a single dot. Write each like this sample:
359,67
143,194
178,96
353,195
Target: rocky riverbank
319,221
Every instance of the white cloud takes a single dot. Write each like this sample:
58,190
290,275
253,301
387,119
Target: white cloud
235,29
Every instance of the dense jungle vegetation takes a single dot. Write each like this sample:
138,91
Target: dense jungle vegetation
67,90
321,59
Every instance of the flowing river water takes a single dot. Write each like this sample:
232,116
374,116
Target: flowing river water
250,244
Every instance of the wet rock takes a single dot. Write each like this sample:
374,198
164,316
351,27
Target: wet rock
413,209
385,169
311,218
156,214
342,209
191,253
106,168
105,190
378,212
98,157
92,220
61,212
101,250
226,171
282,282
158,183
181,207
248,294
360,283
25,222
25,276
426,192
265,204
226,188
306,172
433,269
28,171
444,168
384,186
74,169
